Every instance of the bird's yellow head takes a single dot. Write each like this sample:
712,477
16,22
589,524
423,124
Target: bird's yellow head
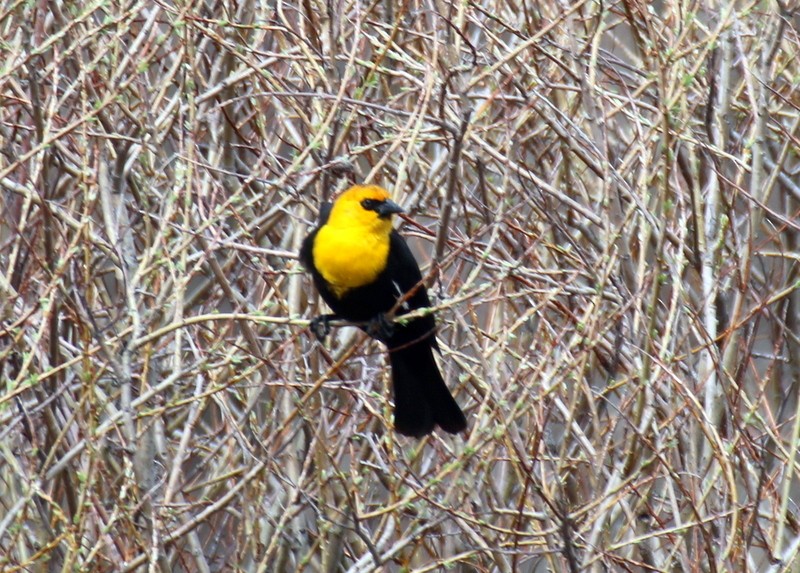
352,247
366,207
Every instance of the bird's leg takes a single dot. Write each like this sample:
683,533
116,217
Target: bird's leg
321,325
380,327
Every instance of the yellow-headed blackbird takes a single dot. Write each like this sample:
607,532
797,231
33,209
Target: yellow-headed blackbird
363,269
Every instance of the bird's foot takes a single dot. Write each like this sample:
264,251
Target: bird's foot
380,327
321,325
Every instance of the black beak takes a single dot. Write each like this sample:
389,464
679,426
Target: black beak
388,208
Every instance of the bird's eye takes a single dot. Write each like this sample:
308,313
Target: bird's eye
369,204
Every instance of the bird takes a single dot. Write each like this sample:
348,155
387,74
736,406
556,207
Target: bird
363,269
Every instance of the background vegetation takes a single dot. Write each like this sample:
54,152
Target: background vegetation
605,196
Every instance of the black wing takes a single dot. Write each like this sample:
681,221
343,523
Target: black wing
404,273
405,276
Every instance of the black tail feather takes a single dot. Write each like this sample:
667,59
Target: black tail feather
421,398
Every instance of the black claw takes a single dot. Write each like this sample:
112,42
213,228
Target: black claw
321,325
380,327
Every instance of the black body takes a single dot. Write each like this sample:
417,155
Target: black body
421,397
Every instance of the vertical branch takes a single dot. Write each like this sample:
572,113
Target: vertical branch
711,235
453,177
